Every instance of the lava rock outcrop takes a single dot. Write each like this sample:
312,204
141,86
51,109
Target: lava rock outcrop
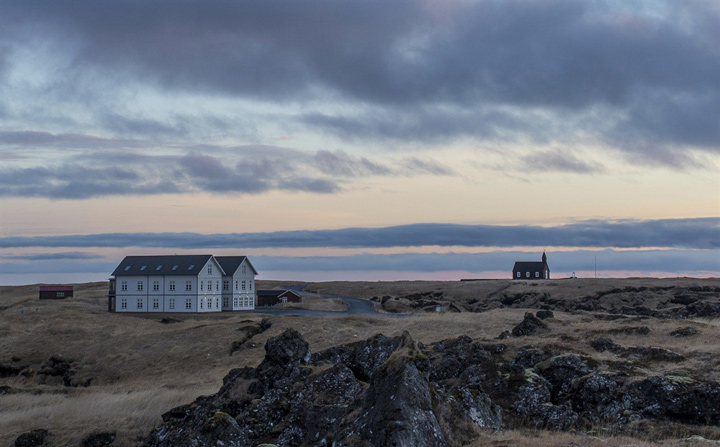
394,391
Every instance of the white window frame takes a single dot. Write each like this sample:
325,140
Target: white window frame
140,286
139,303
171,303
156,286
188,286
123,286
171,286
123,303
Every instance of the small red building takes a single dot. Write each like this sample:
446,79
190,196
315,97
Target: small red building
272,297
56,292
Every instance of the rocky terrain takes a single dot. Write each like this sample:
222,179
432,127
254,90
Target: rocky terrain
658,301
506,363
395,392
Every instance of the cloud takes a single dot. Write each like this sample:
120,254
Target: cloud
233,170
421,72
699,233
558,161
73,255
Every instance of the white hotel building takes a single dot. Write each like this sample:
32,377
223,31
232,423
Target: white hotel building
182,283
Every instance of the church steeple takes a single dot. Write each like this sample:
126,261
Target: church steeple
544,258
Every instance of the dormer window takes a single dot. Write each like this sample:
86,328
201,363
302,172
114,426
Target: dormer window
128,268
192,266
143,268
158,268
175,267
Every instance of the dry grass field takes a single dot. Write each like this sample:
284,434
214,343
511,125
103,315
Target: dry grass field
138,367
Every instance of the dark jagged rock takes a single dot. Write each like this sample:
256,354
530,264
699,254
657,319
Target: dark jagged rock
684,332
170,320
652,354
7,370
637,330
676,398
33,438
561,370
528,357
60,370
393,391
102,439
397,409
544,314
362,357
603,344
529,326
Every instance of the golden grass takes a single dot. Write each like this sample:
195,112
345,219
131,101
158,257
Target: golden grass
142,368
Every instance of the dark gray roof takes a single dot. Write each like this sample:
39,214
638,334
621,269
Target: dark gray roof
161,265
521,266
274,293
230,264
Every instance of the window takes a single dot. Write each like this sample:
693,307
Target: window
210,269
518,274
158,267
202,285
527,274
243,285
139,303
217,285
201,303
226,301
188,303
171,303
172,286
123,286
59,294
188,286
128,268
250,285
140,286
156,286
123,303
243,269
537,274
175,267
156,303
192,266
143,268
226,284
236,283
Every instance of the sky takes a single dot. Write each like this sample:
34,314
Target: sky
364,140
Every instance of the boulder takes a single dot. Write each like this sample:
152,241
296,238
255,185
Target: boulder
33,438
684,332
397,409
529,326
100,439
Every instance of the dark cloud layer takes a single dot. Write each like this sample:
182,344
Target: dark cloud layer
645,83
674,261
701,233
240,170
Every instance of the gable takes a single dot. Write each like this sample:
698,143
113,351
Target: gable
231,264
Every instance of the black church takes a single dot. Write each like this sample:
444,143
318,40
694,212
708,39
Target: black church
532,270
